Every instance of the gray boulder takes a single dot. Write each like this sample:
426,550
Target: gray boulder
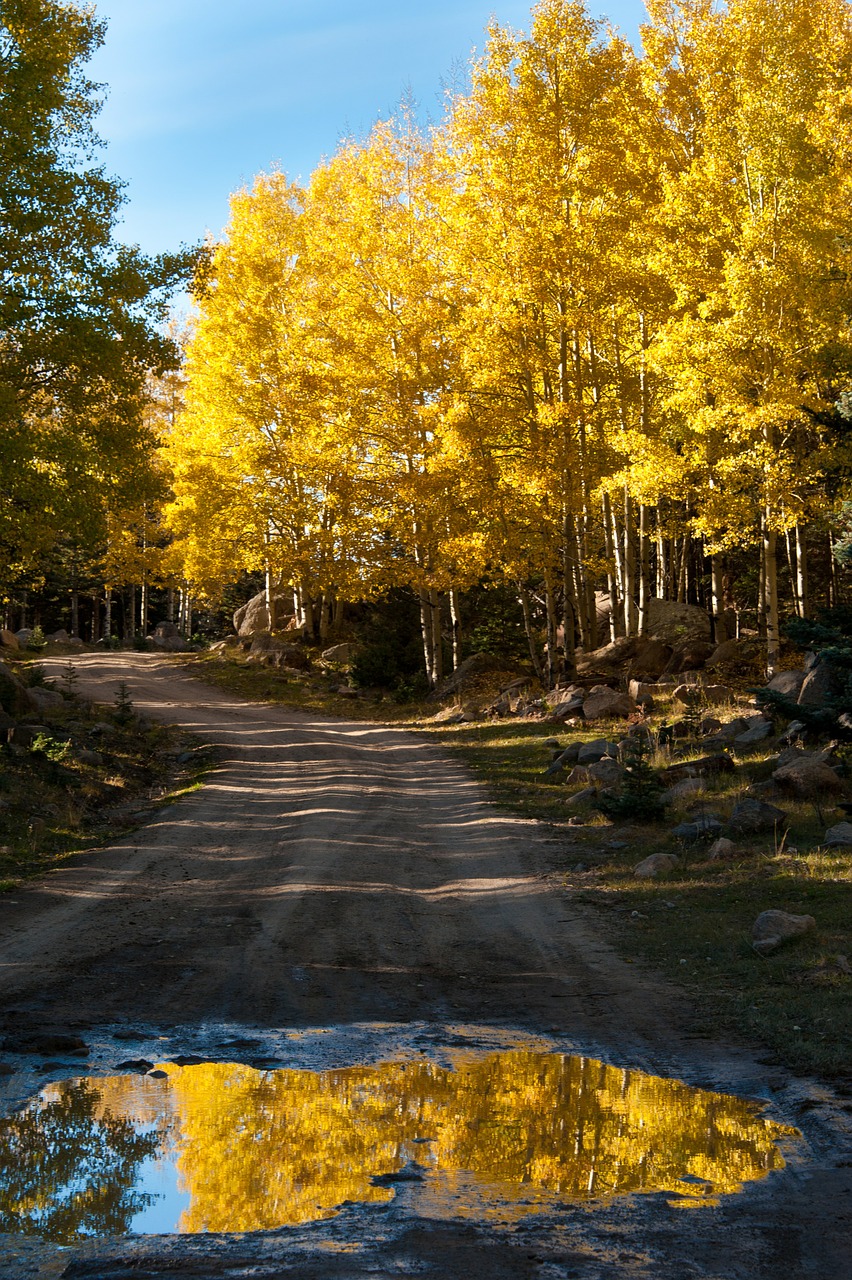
703,827
806,777
340,654
772,928
683,790
254,614
673,622
758,731
24,636
606,772
656,864
839,836
752,816
652,658
41,699
818,686
607,704
721,848
589,752
788,683
581,797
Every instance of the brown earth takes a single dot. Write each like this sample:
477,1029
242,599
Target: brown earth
331,873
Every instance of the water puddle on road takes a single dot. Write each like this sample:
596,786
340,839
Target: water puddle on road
224,1147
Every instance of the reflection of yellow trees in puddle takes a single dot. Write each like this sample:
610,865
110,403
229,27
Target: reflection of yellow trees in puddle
263,1149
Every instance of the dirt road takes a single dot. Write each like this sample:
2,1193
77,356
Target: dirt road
330,873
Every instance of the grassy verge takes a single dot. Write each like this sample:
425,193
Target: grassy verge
694,924
89,775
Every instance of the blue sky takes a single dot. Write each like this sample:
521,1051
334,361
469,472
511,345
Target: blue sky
204,95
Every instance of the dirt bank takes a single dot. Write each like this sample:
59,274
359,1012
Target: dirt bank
334,873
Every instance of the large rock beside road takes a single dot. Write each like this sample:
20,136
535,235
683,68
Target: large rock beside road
168,638
12,692
752,816
772,928
254,614
8,639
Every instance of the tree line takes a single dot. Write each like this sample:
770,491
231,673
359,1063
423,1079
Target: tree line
587,334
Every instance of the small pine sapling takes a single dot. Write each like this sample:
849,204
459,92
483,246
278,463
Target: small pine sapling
640,795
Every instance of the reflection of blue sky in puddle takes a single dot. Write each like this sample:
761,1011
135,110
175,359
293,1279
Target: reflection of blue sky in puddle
159,1178
483,1136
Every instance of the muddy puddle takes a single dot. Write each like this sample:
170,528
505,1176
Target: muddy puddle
223,1147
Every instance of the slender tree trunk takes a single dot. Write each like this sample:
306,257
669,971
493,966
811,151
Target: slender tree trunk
833,593
644,572
630,593
683,570
720,633
108,613
773,635
170,605
569,600
426,633
143,605
802,571
131,595
437,637
610,547
761,589
524,597
552,627
455,627
75,611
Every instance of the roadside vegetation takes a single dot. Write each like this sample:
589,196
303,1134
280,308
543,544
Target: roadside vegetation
74,775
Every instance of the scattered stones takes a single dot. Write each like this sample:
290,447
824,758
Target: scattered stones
682,790
606,772
787,683
714,694
772,928
341,654
721,848
168,638
46,1042
578,776
581,797
700,828
655,865
794,732
704,767
603,704
752,816
839,836
806,777
590,752
566,710
759,731
142,1065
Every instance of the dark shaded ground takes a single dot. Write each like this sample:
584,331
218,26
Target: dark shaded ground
332,873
